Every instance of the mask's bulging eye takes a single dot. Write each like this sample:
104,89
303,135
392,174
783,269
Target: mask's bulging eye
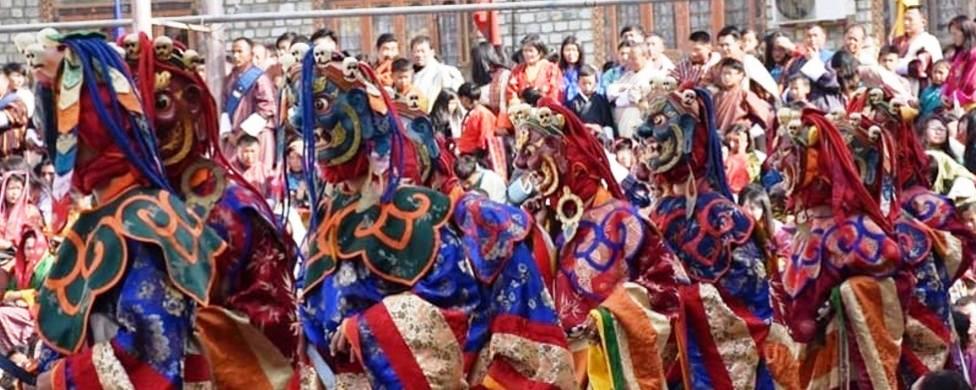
660,119
321,104
163,102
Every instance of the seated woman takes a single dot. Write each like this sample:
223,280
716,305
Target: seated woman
20,276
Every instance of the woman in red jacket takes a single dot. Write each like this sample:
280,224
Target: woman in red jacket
961,85
534,71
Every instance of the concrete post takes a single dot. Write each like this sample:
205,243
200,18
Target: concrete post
216,51
142,16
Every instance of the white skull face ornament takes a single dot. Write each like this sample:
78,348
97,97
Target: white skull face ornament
23,41
192,59
164,48
299,49
131,45
323,54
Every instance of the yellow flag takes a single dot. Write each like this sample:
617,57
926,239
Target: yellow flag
900,7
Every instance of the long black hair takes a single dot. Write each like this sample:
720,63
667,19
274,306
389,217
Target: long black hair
440,112
845,67
571,40
770,43
968,29
484,60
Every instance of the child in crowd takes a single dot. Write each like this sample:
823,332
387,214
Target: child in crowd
592,107
930,99
799,89
476,178
888,57
247,164
402,77
735,104
478,131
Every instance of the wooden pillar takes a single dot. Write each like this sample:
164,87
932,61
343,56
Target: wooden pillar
215,51
718,15
142,16
682,24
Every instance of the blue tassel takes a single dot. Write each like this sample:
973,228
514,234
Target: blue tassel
143,155
306,104
715,167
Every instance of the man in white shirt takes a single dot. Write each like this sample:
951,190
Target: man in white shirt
431,76
855,43
915,40
627,92
657,60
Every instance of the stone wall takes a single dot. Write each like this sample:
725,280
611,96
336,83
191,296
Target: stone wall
16,12
266,31
551,25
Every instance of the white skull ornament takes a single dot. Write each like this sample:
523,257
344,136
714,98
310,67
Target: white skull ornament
131,45
164,48
298,50
323,54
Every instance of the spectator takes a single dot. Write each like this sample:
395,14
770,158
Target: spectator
535,71
530,96
657,60
809,57
815,39
735,104
591,107
854,43
431,75
627,92
617,69
757,77
756,203
776,57
930,99
476,178
632,33
249,104
17,75
798,90
478,132
847,72
284,41
45,171
13,120
961,85
491,74
942,380
571,58
402,78
387,51
295,174
936,133
888,58
915,41
326,38
248,163
750,42
701,54
259,56
447,114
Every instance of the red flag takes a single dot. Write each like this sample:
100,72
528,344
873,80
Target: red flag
487,24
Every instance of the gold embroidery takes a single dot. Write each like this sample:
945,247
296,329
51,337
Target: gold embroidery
540,362
429,337
108,368
735,345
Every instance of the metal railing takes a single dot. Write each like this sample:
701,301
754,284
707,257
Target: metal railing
329,13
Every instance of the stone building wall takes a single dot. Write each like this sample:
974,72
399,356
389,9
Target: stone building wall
552,26
266,31
16,12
